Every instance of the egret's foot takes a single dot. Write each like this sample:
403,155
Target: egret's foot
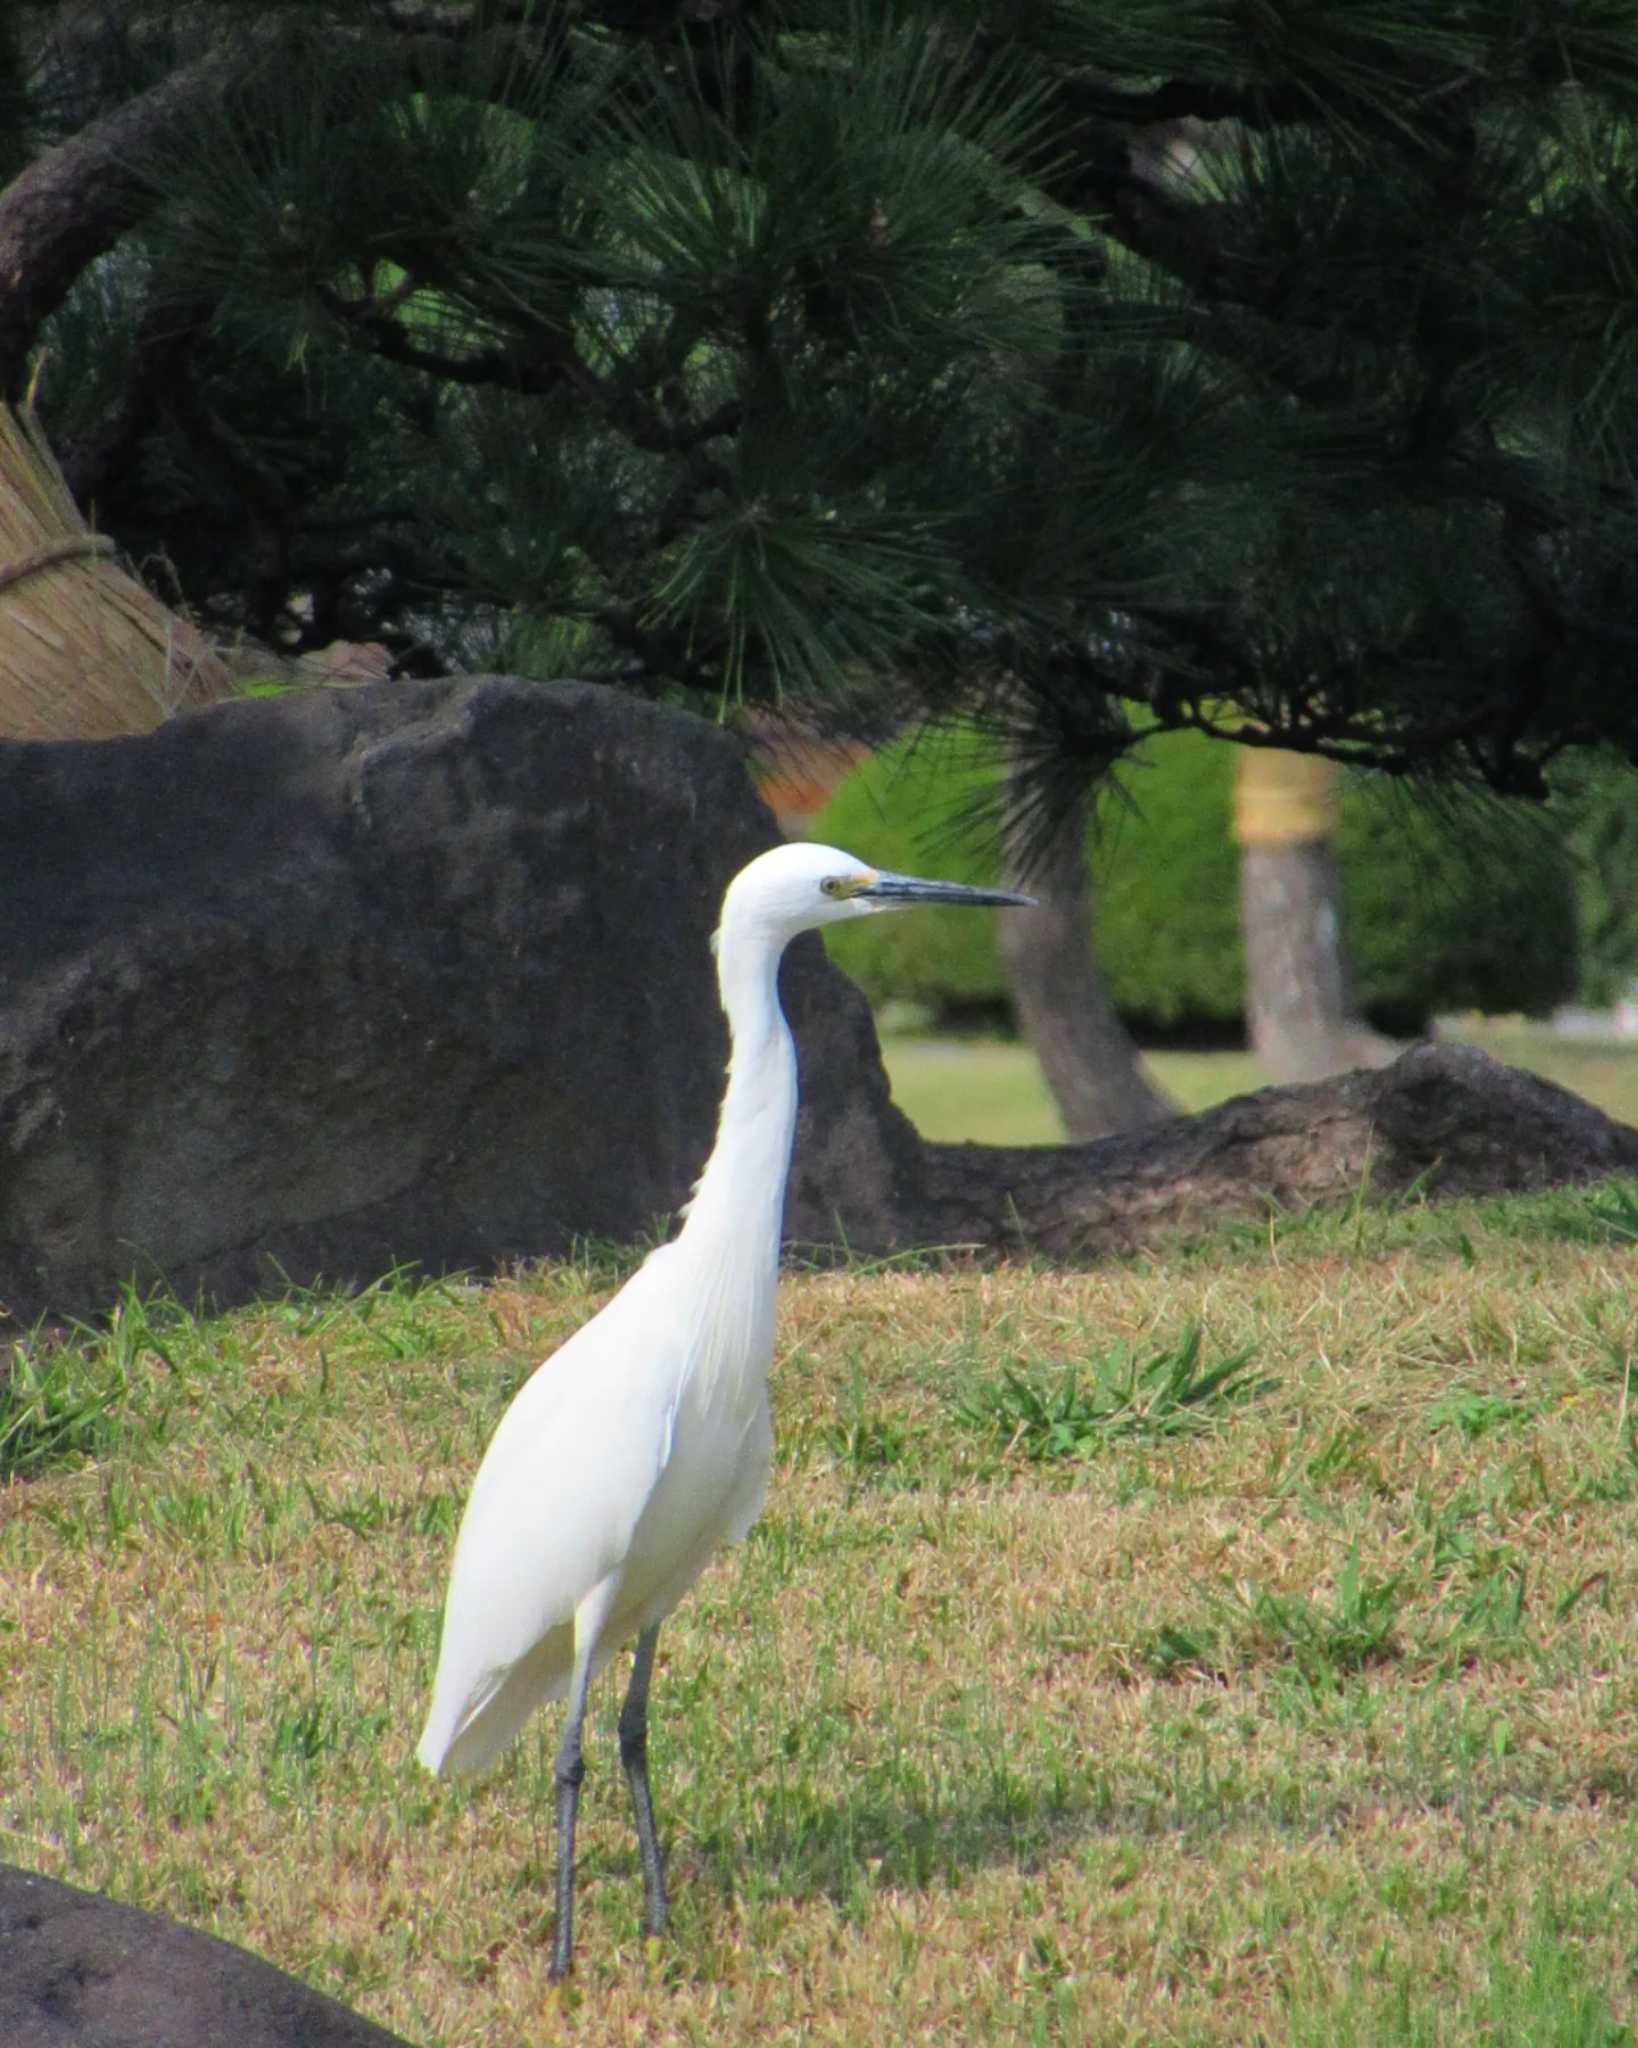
556,2004
658,1959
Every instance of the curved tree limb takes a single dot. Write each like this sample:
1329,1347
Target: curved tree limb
74,202
1442,1120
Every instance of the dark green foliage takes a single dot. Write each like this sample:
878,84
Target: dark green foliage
876,350
1611,1215
1599,816
1116,1394
1440,916
537,330
1323,1641
1476,1415
55,1406
13,100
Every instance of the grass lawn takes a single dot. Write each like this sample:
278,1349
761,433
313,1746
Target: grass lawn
991,1090
1233,1647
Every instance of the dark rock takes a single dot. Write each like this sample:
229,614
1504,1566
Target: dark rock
420,972
412,972
80,1971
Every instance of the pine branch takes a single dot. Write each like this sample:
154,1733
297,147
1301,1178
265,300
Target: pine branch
1089,99
371,324
664,654
1101,172
77,199
165,339
556,367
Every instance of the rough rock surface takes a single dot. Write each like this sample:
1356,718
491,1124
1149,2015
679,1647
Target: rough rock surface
80,1971
420,972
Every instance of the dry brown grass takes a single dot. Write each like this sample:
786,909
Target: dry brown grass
86,652
960,1747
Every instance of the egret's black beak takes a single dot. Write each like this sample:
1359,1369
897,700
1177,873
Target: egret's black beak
896,891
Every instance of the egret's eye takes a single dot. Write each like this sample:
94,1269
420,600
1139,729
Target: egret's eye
854,884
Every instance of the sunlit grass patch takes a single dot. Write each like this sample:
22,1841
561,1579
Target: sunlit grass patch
1534,1989
1109,1396
1295,1706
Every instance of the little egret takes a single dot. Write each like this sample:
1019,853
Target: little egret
645,1443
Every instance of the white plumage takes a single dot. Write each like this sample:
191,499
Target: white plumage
644,1443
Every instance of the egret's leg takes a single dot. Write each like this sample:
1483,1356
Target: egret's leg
570,1769
569,1772
634,1759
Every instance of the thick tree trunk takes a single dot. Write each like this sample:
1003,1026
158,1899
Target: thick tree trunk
1444,1119
1300,1011
1087,1056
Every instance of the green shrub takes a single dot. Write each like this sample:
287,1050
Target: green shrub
1600,819
1439,915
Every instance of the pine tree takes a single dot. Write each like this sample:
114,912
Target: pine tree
1270,370
1090,367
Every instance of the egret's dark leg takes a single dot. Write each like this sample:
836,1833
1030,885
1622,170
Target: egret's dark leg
569,1772
634,1758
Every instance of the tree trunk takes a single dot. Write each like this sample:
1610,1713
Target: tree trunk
1087,1057
1446,1120
1300,1011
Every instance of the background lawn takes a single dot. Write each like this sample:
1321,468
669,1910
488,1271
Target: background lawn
1236,1646
991,1090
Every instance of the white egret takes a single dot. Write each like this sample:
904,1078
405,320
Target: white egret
645,1443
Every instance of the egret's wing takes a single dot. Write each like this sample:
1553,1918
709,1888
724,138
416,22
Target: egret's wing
561,1488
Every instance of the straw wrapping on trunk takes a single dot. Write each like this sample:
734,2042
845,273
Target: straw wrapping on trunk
86,651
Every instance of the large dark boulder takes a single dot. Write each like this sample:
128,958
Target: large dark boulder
80,1971
412,972
420,972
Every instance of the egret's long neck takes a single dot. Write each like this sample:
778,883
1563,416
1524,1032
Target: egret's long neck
740,1201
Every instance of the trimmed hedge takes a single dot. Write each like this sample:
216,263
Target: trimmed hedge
1437,919
1600,818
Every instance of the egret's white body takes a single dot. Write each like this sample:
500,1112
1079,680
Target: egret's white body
625,1477
645,1443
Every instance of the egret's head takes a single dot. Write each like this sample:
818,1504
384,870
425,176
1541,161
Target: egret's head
799,887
